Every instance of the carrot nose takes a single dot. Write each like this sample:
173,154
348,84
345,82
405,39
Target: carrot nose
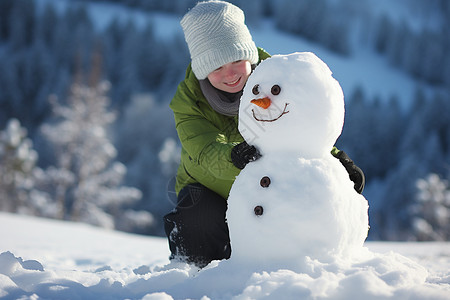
262,102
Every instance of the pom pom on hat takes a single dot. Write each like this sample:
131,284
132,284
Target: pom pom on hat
216,34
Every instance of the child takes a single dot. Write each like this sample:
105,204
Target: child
213,152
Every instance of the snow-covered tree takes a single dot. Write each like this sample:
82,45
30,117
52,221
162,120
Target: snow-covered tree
87,180
145,137
17,162
431,209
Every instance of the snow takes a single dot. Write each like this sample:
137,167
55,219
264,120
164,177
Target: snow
48,259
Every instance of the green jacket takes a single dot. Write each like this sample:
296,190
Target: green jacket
206,136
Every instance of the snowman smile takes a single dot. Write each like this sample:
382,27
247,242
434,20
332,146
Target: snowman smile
285,111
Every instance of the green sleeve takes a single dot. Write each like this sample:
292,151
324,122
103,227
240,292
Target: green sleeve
216,157
207,146
335,151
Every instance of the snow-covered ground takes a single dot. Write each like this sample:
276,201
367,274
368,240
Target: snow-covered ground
48,259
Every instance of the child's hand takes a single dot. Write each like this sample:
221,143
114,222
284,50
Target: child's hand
354,172
243,153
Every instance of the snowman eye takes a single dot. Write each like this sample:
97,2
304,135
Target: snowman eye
276,89
255,90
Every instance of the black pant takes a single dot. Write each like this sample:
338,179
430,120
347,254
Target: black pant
196,229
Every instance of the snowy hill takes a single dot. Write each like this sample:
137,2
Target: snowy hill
363,68
349,71
45,259
389,100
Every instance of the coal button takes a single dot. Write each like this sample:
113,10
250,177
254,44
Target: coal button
265,182
258,210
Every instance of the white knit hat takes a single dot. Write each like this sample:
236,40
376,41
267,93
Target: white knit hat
216,34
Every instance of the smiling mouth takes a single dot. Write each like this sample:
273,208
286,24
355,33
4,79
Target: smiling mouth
234,83
285,111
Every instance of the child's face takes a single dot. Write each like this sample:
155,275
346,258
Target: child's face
231,77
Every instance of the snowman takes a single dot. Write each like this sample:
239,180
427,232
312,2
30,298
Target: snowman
297,200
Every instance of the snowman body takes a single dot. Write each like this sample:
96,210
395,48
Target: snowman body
297,199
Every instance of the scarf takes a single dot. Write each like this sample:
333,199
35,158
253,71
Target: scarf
222,102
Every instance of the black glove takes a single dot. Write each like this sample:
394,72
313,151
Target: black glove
354,172
243,153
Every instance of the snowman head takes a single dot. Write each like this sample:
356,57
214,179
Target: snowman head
292,103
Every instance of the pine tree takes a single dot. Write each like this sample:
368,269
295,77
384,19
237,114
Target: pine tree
145,137
431,209
21,25
17,162
5,15
87,179
45,27
383,34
